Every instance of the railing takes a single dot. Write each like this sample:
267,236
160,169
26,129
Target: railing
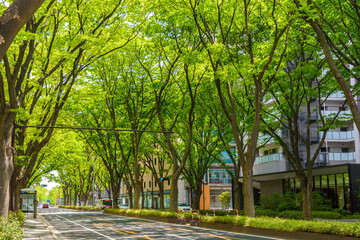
337,94
269,158
328,112
342,156
338,135
220,180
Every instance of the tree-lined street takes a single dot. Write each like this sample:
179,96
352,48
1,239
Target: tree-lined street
95,225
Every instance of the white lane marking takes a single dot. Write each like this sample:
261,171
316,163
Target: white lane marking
89,229
199,228
178,236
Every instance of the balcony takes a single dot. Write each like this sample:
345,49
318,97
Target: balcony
269,158
342,156
345,135
220,180
337,94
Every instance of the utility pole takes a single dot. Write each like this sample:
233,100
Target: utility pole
152,190
93,193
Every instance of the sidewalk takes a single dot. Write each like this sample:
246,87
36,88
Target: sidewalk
35,228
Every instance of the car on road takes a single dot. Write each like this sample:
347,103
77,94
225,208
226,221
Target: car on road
45,205
184,206
106,203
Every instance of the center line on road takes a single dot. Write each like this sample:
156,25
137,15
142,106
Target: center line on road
89,229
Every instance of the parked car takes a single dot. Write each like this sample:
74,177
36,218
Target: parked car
184,206
45,205
124,206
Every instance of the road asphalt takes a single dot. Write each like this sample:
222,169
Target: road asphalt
55,223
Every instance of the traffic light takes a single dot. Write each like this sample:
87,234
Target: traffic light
164,178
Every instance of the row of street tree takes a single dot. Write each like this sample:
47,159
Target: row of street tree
189,78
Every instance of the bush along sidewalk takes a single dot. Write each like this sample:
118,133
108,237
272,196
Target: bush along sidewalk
273,223
85,208
11,227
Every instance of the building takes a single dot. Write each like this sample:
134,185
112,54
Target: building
335,170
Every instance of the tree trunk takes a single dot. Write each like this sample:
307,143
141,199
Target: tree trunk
196,200
137,186
17,194
6,159
306,191
13,19
75,199
174,193
115,198
248,191
161,190
130,197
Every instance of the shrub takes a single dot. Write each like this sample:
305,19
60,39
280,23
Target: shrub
225,199
11,228
318,203
343,212
19,217
288,202
326,215
292,214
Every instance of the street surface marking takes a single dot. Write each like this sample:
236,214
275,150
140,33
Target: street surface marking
145,236
178,229
102,224
123,231
102,219
89,229
143,223
213,235
178,236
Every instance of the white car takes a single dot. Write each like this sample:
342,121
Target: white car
124,206
184,206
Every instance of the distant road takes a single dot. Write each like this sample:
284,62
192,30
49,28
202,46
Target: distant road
73,224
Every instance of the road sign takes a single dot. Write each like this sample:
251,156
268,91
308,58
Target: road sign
48,201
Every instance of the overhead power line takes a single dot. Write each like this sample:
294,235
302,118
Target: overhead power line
92,129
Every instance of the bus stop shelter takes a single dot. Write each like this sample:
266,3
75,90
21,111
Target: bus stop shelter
28,198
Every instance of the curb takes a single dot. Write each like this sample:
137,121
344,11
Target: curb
55,233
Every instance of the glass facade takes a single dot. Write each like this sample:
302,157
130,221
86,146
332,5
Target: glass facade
333,187
219,176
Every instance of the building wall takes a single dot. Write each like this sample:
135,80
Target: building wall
270,187
205,198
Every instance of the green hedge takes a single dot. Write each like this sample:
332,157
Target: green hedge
80,207
11,227
274,223
332,228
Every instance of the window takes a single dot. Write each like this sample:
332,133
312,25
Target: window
155,160
149,183
343,129
344,150
155,184
324,108
144,184
169,182
342,108
323,149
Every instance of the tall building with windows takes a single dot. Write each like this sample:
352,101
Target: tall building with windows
336,168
